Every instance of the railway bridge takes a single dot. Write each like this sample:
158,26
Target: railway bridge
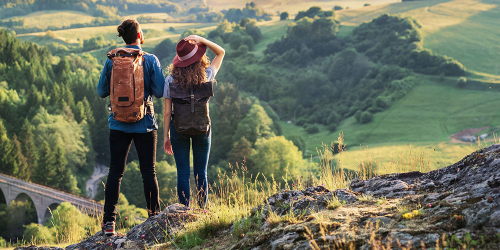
44,198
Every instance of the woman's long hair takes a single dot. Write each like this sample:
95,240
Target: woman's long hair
194,73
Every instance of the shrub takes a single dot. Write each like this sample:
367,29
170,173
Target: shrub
381,102
336,7
366,117
461,82
312,129
301,121
333,118
357,115
37,234
331,127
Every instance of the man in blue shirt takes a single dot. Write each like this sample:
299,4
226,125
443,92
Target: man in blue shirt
142,132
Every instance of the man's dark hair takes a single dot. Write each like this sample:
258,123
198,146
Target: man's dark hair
128,30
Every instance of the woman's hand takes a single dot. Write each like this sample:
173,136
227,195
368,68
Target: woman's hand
167,146
194,39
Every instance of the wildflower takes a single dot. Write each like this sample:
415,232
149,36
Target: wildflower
430,205
292,184
111,244
165,220
126,218
322,184
143,236
408,216
204,211
415,212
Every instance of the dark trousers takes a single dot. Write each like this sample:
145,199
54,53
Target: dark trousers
119,144
181,146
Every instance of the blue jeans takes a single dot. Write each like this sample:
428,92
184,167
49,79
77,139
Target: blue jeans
181,145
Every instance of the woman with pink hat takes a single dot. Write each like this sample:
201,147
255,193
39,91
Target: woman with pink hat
191,72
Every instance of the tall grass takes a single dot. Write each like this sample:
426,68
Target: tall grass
234,195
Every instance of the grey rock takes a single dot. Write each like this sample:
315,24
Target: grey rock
448,178
38,248
383,221
285,239
495,219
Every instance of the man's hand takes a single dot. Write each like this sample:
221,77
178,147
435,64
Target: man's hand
167,146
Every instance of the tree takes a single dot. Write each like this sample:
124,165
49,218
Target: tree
255,125
240,152
284,15
276,155
22,171
56,129
165,50
7,165
63,179
366,117
29,149
44,171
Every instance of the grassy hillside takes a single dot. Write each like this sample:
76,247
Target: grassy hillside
292,6
425,118
44,19
451,28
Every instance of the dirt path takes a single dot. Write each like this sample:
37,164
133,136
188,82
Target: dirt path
92,183
455,138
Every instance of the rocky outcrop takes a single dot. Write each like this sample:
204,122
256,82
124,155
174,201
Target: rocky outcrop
155,230
455,206
461,202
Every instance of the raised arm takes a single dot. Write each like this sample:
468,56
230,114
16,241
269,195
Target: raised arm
218,50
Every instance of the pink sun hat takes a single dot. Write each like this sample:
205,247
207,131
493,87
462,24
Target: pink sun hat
188,53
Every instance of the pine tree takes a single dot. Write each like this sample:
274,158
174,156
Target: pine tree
28,146
62,173
6,162
255,125
20,162
44,171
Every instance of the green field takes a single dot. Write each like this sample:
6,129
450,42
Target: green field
425,118
59,19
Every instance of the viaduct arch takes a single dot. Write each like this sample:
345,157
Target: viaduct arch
43,197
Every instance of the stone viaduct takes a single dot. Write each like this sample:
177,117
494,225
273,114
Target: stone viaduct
44,198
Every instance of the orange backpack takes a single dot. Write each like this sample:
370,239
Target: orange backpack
127,85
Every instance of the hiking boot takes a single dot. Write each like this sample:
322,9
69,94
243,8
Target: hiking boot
108,228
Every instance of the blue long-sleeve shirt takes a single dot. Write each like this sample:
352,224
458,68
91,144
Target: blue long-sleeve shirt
153,86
